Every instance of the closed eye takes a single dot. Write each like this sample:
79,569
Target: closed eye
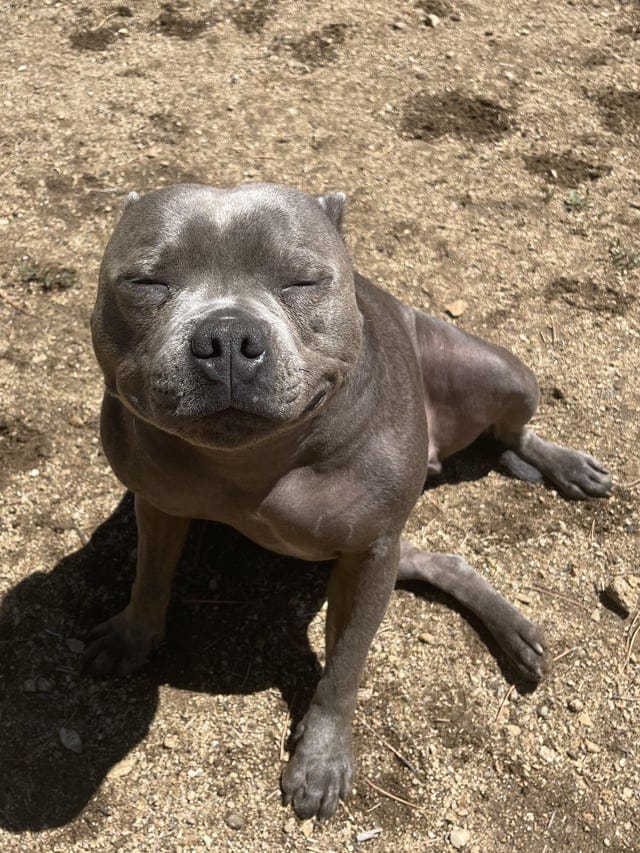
308,282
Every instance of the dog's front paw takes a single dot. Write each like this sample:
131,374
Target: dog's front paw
119,646
320,772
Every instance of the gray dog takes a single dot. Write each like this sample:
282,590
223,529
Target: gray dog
253,378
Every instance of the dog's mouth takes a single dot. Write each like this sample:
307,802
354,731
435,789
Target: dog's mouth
316,402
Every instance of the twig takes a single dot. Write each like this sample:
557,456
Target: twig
285,729
13,304
630,645
593,530
434,503
503,702
565,653
82,536
558,595
399,755
393,796
626,698
632,484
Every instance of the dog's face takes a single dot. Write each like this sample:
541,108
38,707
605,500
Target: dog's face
224,316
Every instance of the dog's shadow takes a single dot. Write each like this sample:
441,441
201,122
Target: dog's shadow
237,624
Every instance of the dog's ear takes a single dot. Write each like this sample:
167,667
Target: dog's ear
333,205
131,198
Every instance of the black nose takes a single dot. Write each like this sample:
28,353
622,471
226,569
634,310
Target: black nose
229,344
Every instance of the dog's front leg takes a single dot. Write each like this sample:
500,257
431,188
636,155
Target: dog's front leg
320,771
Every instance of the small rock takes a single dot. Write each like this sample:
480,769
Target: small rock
122,768
512,730
595,615
290,826
459,838
307,828
575,705
427,638
234,820
592,746
364,694
548,755
368,834
543,711
621,594
398,25
627,793
70,739
170,742
432,21
457,307
523,598
74,645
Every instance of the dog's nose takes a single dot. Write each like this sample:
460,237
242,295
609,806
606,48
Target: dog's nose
229,345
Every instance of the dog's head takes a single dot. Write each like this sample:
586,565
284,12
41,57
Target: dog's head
224,316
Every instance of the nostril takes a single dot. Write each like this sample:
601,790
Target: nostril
251,348
206,347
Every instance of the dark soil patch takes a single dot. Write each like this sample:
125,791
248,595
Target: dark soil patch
98,39
48,278
174,24
251,18
596,58
435,7
21,447
564,169
588,295
429,117
317,48
619,109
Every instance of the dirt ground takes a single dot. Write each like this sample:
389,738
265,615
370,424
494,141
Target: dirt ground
490,155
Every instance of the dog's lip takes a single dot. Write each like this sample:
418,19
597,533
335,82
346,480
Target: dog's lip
317,401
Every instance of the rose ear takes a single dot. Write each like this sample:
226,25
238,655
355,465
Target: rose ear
333,205
131,198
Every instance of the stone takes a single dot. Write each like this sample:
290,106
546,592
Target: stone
457,307
621,594
459,838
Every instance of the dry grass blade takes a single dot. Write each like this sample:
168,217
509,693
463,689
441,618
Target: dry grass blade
557,594
565,653
398,754
503,702
393,796
13,304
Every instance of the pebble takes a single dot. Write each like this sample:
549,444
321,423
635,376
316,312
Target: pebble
74,645
432,20
307,828
459,838
512,730
398,25
543,711
426,637
575,705
70,739
122,768
457,307
170,742
234,820
621,594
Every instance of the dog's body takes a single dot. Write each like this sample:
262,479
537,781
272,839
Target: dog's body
253,379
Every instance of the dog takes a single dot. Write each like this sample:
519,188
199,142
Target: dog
252,377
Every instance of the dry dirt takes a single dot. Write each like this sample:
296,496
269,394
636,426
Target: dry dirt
492,158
